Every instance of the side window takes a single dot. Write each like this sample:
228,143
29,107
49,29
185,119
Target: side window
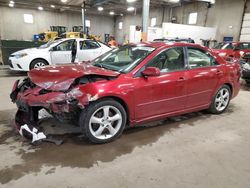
244,46
65,46
198,58
88,44
168,61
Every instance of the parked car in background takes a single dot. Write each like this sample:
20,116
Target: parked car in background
232,49
188,40
60,51
133,84
245,65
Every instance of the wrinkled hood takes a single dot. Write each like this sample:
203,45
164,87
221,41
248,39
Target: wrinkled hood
60,77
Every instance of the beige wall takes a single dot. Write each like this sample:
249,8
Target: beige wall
223,14
161,15
12,25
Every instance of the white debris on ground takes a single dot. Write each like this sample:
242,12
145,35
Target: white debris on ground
34,132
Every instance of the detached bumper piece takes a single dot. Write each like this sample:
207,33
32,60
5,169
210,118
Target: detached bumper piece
25,127
36,136
31,98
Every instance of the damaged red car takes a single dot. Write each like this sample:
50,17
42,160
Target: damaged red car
134,84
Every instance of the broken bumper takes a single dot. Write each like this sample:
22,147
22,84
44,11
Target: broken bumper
27,96
30,98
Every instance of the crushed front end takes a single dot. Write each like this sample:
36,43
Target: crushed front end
30,98
63,91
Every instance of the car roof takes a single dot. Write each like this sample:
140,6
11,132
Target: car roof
159,44
173,39
64,39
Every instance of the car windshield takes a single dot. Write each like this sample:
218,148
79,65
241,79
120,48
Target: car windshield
123,59
224,46
49,43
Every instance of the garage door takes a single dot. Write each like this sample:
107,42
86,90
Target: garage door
245,30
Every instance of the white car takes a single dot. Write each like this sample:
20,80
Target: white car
57,52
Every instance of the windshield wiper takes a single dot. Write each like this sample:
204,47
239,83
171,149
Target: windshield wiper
98,65
105,66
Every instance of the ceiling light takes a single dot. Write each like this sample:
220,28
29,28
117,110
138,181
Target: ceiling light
12,2
11,5
111,12
121,14
40,8
64,1
100,8
131,1
130,9
52,6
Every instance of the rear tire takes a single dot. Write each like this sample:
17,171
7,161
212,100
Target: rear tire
38,63
103,121
221,100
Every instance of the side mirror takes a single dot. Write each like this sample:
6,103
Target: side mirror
52,49
151,71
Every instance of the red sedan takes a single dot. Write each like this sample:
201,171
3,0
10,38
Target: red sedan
232,49
134,84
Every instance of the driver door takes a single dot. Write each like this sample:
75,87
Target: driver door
164,94
62,53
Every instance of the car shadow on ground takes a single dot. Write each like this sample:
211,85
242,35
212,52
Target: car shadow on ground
77,151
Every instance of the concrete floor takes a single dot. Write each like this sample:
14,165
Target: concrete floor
194,150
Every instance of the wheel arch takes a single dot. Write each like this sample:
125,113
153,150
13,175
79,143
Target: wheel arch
230,86
122,102
39,58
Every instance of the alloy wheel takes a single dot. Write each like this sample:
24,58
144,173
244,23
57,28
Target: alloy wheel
105,122
39,64
222,99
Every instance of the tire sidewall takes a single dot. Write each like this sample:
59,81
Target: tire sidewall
88,112
34,62
212,108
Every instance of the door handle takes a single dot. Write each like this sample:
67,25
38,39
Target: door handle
181,79
219,72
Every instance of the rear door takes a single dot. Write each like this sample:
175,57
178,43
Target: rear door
88,50
62,53
204,75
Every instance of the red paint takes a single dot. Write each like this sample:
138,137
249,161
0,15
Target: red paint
235,52
146,98
64,74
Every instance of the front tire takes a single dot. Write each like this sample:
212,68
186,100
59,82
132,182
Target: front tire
221,100
103,121
38,63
